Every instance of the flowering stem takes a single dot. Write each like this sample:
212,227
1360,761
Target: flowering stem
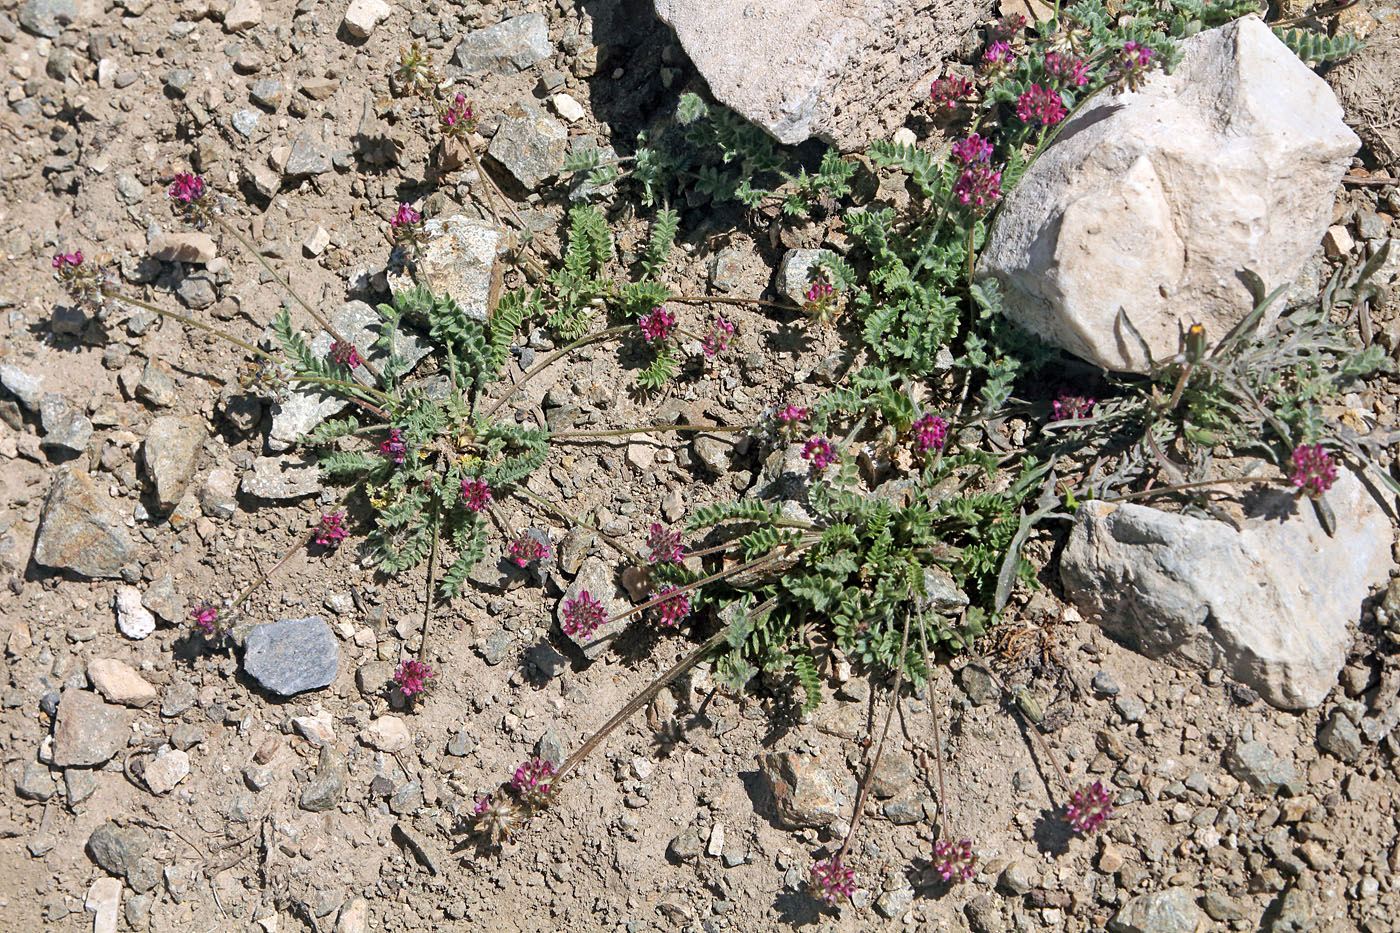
286,287
617,545
724,574
557,354
706,300
1032,728
428,599
879,746
645,429
189,321
943,819
1229,480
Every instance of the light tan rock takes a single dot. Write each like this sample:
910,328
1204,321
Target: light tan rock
387,734
183,246
118,682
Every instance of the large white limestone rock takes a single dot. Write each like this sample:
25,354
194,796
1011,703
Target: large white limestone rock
1153,201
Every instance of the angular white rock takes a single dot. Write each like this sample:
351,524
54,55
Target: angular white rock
1153,201
387,734
1269,604
134,620
361,16
242,14
104,901
166,770
568,108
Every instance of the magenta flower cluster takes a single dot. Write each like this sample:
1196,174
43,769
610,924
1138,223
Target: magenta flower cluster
1068,405
950,90
973,149
458,115
818,451
1314,470
790,415
346,355
405,216
394,447
476,494
527,548
411,677
1067,70
831,881
533,782
998,54
675,610
1089,808
717,340
819,292
1137,54
206,619
954,861
978,185
657,325
64,260
582,615
1040,105
330,531
665,545
930,433
187,189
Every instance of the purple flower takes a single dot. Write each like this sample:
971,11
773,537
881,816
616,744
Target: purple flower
1068,406
187,189
346,355
527,548
63,260
457,117
1069,70
674,610
832,881
1138,54
331,529
405,216
665,545
717,340
495,819
972,150
818,450
657,325
206,619
1040,105
998,53
1009,25
819,291
1133,64
950,90
978,186
533,781
394,447
790,415
476,494
1089,808
1314,470
953,861
582,615
930,433
411,677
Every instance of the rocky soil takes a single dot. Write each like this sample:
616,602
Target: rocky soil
153,785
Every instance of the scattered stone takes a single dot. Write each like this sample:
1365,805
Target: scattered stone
309,156
373,678
298,414
685,846
183,246
186,736
316,243
157,385
497,647
907,810
354,917
246,121
797,271
1171,911
460,745
133,620
387,734
116,848
1340,737
509,46
1257,765
46,18
1109,217
35,782
318,730
242,14
87,731
1279,594
361,16
80,531
266,93
78,785
530,146
104,899
894,903
277,478
712,452
326,785
164,771
803,793
546,660
197,291
1130,708
716,846
119,683
894,773
1337,242
1105,685
1017,878
66,429
979,686
291,656
596,578
27,388
217,494
727,269
567,108
1294,912
943,596
172,444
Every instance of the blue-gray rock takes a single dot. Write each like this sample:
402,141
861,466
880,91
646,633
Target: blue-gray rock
66,429
196,291
1171,911
551,748
266,93
509,46
1105,685
179,81
35,782
80,530
291,656
46,18
1340,737
246,122
26,387
309,156
530,146
546,660
1256,765
497,647
278,478
78,785
116,848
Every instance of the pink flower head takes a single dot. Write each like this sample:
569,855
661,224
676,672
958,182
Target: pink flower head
405,216
482,805
63,260
476,494
346,355
998,53
527,548
717,340
979,187
533,781
930,433
411,677
665,545
458,113
1314,470
819,291
582,615
1067,70
832,881
818,450
1010,24
394,447
972,150
1040,105
790,415
953,861
674,610
1137,53
1089,808
657,325
206,619
188,188
950,90
1068,406
331,529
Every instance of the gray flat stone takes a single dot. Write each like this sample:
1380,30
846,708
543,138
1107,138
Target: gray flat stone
282,478
80,530
26,387
1171,911
292,656
66,429
87,732
509,46
531,146
309,156
172,444
459,258
47,18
